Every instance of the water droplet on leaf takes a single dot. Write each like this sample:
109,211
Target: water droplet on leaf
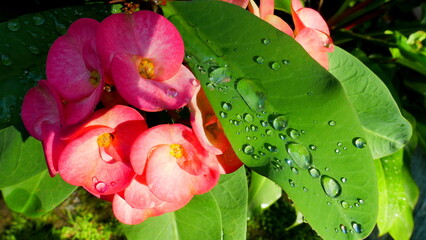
226,106
14,25
275,65
5,60
220,75
259,59
294,170
266,41
359,142
292,183
332,123
343,179
34,49
223,114
253,94
356,227
271,148
278,122
286,62
344,204
248,117
38,19
248,149
313,147
343,228
293,133
314,172
300,155
330,186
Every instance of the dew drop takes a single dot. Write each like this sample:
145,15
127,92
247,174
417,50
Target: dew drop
286,62
356,204
339,144
210,86
255,157
5,60
361,201
226,106
266,41
275,65
271,148
314,172
220,75
344,204
292,183
171,92
343,179
300,155
34,49
259,59
313,147
254,128
343,228
305,189
356,227
282,136
223,114
248,117
293,133
38,20
278,122
253,94
337,151
359,142
294,170
269,132
248,149
195,83
239,116
332,123
289,162
14,25
264,123
101,187
94,179
330,186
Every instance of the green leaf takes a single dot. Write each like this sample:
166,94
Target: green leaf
282,107
24,43
199,219
283,5
19,159
262,193
231,197
398,194
37,195
385,128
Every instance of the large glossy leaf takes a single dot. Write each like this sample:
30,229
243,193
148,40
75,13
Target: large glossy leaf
24,43
37,195
199,219
262,194
231,197
385,129
281,110
19,159
397,198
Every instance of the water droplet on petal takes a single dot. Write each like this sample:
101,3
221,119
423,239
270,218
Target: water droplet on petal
356,227
300,155
226,106
14,25
314,172
332,123
101,187
266,41
195,82
259,59
253,94
248,149
171,92
38,19
330,186
278,122
359,142
275,65
94,179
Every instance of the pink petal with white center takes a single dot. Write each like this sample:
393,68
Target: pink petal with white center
129,215
145,34
66,67
171,182
80,164
312,43
41,106
147,94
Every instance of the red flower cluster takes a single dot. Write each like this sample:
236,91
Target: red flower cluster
111,152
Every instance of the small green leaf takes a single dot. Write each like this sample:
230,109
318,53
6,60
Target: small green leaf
19,159
37,195
398,194
199,219
262,193
385,129
287,112
231,197
24,43
283,5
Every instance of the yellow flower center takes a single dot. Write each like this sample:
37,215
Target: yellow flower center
95,78
105,139
176,150
146,69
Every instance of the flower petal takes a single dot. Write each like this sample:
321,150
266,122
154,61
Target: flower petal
312,43
241,3
145,34
279,24
127,214
66,67
148,94
308,18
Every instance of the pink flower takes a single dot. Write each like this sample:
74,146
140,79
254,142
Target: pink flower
96,155
142,54
210,133
73,70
